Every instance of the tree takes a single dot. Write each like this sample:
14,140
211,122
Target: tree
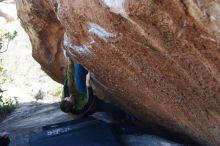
5,38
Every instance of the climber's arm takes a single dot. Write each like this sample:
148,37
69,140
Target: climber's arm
88,86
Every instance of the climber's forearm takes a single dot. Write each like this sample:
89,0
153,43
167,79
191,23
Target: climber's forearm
89,92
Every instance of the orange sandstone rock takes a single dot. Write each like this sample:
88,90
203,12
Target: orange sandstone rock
46,35
158,59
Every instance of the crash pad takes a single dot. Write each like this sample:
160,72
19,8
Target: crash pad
87,132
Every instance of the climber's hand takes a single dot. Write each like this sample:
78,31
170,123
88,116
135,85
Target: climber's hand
88,78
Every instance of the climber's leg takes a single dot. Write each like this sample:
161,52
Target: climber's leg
80,78
65,90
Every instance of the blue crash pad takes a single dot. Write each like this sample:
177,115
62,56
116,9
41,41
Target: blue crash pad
88,132
92,132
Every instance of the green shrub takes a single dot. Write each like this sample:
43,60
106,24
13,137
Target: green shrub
5,38
40,95
7,106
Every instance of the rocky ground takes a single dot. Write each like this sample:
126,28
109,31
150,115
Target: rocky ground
29,118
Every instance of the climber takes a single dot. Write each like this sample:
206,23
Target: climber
78,98
71,94
4,139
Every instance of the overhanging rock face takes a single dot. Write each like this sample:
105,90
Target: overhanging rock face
158,59
46,35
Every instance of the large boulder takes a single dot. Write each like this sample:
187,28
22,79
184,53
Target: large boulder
46,35
158,59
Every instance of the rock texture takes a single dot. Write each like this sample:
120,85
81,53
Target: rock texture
46,35
206,13
158,59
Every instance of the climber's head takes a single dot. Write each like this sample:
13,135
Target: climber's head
67,104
